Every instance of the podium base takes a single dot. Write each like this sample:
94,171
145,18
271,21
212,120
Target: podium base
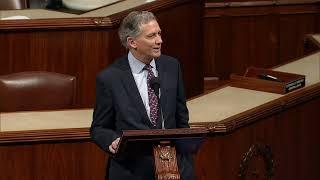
166,167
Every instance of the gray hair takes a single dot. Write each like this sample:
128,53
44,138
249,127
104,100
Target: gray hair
131,25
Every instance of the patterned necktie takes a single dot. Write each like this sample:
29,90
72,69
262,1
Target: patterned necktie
153,100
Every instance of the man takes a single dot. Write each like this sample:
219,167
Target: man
125,100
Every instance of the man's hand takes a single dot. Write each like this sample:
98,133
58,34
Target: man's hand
113,146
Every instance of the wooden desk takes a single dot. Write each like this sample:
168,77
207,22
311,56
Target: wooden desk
33,120
228,101
316,37
52,14
256,134
311,43
251,133
49,145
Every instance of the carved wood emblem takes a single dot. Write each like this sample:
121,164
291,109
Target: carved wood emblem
166,167
257,163
165,153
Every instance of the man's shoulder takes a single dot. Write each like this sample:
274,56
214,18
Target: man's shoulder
168,59
113,69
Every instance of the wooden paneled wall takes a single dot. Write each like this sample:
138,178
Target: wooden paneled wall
243,33
84,46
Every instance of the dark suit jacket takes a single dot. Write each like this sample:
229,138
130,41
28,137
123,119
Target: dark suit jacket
120,107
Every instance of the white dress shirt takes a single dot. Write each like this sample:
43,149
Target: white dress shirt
140,77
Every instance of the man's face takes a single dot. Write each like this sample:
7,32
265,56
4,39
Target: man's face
148,44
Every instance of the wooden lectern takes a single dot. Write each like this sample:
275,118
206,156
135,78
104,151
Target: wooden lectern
165,144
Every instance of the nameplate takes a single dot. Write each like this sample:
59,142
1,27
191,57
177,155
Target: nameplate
268,80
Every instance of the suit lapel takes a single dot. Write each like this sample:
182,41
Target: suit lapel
161,68
132,89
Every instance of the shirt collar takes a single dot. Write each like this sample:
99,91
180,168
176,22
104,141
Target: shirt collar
136,65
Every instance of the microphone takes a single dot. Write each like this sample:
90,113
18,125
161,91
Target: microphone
155,85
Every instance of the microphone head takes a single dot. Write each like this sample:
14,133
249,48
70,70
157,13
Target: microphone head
155,85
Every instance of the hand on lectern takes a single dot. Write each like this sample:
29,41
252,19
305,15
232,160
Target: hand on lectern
114,145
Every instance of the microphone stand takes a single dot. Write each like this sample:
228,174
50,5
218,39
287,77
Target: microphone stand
161,112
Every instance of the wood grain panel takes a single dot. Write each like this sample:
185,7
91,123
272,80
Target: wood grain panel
317,22
81,53
292,31
217,43
254,33
291,134
181,34
239,42
59,160
257,2
82,48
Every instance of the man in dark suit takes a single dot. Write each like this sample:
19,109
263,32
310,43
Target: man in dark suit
125,100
